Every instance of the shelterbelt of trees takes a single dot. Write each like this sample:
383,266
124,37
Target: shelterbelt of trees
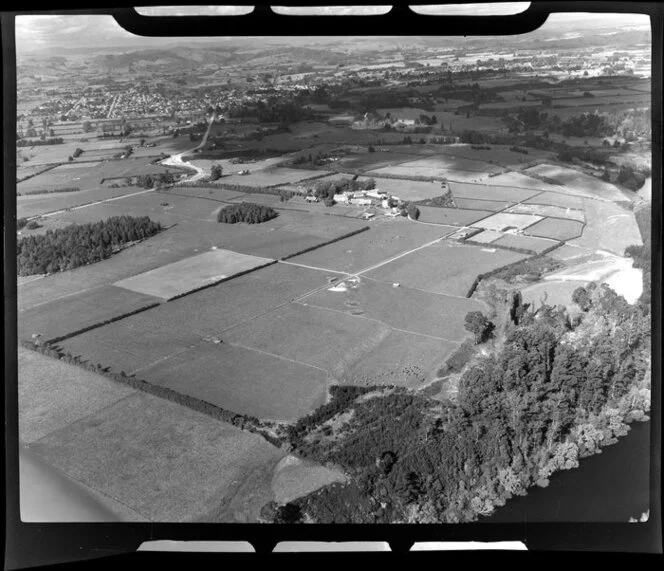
80,244
557,388
247,212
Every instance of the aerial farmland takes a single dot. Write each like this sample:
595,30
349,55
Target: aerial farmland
305,241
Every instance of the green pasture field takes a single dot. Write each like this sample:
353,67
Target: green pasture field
536,245
485,237
162,460
347,347
400,308
289,233
552,293
70,314
474,204
380,243
556,229
567,252
438,165
24,169
294,478
489,191
460,122
269,176
53,394
269,199
208,192
558,199
549,211
523,181
178,278
447,267
243,380
372,161
453,216
497,154
608,227
502,220
46,154
605,99
407,189
404,112
601,106
578,183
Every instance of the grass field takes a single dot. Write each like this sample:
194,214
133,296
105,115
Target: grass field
448,267
407,189
53,394
488,190
294,478
269,176
439,164
503,220
243,380
556,229
166,462
63,316
522,180
474,204
368,248
178,278
536,245
400,308
557,199
548,210
454,216
552,293
608,227
485,237
578,183
496,155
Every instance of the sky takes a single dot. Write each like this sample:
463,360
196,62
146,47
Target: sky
41,32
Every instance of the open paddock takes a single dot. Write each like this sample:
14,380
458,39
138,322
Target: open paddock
163,461
466,176
475,204
379,243
400,308
536,245
523,181
488,190
552,293
209,192
374,160
452,216
496,154
179,278
243,380
407,189
577,182
269,176
64,316
438,166
485,237
503,220
558,199
548,210
556,229
294,478
608,227
446,267
53,394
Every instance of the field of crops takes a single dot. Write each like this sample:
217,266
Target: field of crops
448,267
53,394
489,190
503,220
556,229
162,460
178,278
381,242
454,216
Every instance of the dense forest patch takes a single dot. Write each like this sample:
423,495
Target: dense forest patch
247,212
80,244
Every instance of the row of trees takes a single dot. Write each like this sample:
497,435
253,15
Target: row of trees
80,244
152,180
327,189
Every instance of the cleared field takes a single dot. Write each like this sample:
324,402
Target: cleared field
438,166
465,176
474,204
503,220
270,199
67,315
447,267
488,190
557,199
454,216
294,478
485,237
381,242
608,227
556,229
522,180
548,210
53,394
175,279
497,154
374,160
400,308
578,183
407,189
269,176
243,380
552,293
347,347
537,245
210,192
162,460
567,252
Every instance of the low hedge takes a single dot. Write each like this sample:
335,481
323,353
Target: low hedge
332,241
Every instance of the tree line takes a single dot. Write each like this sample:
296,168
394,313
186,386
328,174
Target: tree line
80,244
